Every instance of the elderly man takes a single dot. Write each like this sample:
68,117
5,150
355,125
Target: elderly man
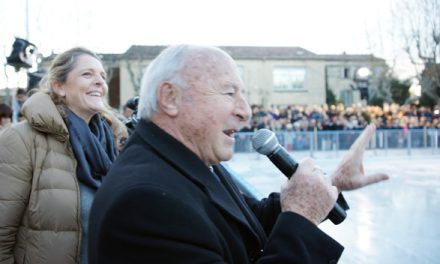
167,199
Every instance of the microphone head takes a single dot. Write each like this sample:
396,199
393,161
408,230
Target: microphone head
264,141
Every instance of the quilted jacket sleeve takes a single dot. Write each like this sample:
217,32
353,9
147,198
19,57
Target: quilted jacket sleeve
15,186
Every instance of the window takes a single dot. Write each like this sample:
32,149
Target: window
346,74
288,79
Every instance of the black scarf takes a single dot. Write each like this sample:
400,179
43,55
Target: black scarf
94,148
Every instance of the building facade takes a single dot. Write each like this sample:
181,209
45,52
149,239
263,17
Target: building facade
272,75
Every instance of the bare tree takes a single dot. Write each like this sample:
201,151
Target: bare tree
418,22
136,73
110,62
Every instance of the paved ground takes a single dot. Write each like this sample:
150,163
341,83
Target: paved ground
397,221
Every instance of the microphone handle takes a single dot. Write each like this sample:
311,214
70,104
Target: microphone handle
284,162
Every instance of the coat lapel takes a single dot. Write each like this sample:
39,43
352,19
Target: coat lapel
235,193
189,165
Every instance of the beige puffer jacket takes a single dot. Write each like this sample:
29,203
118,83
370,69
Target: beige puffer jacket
39,191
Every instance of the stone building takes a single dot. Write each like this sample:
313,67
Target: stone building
272,75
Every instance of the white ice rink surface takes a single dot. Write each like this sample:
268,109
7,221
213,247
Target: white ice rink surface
397,221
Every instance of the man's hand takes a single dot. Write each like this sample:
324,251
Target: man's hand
310,193
349,174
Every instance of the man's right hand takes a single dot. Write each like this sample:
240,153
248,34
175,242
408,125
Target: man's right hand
309,192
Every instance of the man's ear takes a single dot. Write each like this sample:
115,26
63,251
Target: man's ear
58,88
168,98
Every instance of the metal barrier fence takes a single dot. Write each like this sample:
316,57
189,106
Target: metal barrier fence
408,140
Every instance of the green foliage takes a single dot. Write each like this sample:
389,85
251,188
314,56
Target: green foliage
376,101
399,91
426,100
330,97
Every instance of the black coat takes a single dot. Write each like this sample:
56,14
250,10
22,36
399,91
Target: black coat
161,204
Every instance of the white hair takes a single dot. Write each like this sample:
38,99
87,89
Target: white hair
168,66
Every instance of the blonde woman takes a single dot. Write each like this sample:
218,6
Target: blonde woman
52,164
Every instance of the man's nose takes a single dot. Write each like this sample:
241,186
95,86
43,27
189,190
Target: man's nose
243,110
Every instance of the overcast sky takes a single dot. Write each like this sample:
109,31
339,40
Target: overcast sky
321,26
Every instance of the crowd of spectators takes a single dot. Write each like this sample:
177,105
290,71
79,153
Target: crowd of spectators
333,117
340,117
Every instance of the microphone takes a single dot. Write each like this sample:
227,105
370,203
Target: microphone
265,142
